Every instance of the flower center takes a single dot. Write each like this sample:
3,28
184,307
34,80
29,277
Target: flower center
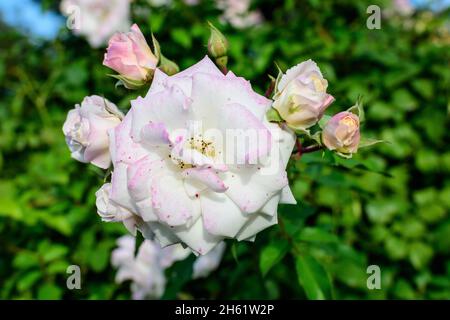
318,83
194,151
203,146
349,122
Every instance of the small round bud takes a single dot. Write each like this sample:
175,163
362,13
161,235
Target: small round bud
341,133
217,43
168,66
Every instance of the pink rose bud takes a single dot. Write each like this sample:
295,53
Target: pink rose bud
341,133
86,130
301,96
129,55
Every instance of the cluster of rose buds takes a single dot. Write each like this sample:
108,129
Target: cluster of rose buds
202,157
301,99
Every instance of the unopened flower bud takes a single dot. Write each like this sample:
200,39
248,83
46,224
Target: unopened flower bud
130,55
217,43
341,133
301,96
168,66
86,130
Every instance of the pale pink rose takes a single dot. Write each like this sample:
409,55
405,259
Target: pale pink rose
404,7
110,211
301,96
130,55
86,130
206,264
237,13
146,274
341,133
146,269
173,175
191,2
97,20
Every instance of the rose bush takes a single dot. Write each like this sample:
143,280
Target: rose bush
348,216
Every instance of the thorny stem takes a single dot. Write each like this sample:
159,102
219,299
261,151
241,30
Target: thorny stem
270,89
301,150
309,149
299,147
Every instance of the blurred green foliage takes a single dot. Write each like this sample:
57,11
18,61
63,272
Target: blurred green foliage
388,206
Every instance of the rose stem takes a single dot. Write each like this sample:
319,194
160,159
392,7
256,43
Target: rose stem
301,150
270,89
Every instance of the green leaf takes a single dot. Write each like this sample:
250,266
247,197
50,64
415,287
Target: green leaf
182,37
27,281
420,254
9,206
54,252
312,277
396,248
316,235
25,259
424,87
272,254
367,142
157,20
156,47
278,79
273,115
99,257
323,121
178,275
49,291
57,267
234,251
358,109
126,82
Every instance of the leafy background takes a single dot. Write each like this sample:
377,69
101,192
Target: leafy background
388,206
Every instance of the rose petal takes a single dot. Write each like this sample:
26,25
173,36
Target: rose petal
206,176
221,216
171,203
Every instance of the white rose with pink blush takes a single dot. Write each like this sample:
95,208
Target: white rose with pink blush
86,130
301,97
97,20
341,133
146,270
169,162
238,14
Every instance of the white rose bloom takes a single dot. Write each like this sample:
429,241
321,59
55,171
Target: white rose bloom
301,97
174,177
97,20
146,269
237,13
86,130
206,264
110,211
